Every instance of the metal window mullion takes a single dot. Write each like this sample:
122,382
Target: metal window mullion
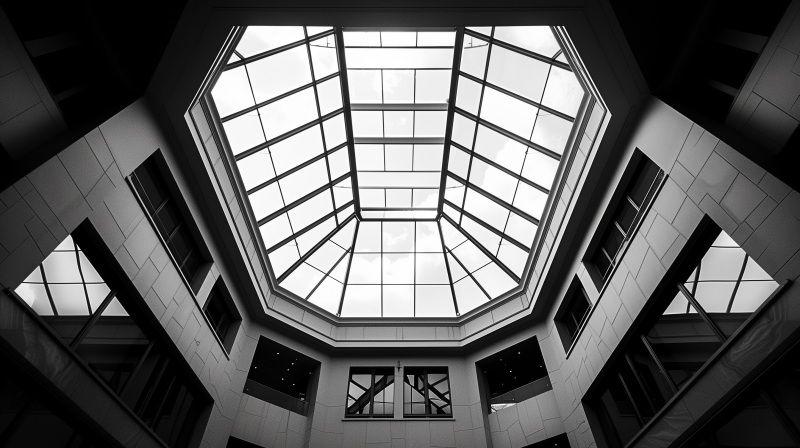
488,227
372,393
349,263
399,106
500,130
427,396
93,317
285,135
348,119
522,98
738,282
469,274
313,249
307,228
399,141
447,265
137,368
328,273
640,382
486,252
475,118
505,170
531,54
451,107
256,106
494,198
636,411
293,170
702,313
47,289
321,128
274,51
300,201
660,366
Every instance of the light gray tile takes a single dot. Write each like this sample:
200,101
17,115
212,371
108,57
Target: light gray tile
19,94
720,216
661,236
669,200
776,189
714,179
697,149
742,198
141,242
82,165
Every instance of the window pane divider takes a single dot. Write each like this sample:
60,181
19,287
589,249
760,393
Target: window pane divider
307,228
301,200
519,50
419,107
509,134
295,169
93,317
520,97
494,164
494,198
447,265
274,99
650,402
486,252
313,249
274,51
702,313
349,265
660,366
286,135
448,127
628,393
488,227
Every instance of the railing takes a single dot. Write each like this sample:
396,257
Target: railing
521,393
275,397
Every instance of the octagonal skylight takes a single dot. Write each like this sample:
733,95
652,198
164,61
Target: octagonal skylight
378,193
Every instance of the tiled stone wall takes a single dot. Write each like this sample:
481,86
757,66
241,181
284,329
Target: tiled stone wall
85,181
705,177
767,108
526,423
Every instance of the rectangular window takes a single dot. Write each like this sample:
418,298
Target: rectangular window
221,313
695,317
168,219
426,393
627,215
514,374
572,312
282,376
370,393
102,323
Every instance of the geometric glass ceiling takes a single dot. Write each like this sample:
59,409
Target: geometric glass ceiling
376,193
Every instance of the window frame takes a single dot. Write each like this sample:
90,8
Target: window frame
372,371
221,295
686,262
121,287
636,165
425,371
575,292
158,166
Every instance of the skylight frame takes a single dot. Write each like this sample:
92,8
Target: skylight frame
349,141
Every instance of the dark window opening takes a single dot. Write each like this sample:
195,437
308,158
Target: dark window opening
712,294
370,393
514,374
572,312
281,376
166,214
559,441
627,215
766,414
426,393
77,293
222,314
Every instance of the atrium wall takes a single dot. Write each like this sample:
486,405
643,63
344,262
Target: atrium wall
706,178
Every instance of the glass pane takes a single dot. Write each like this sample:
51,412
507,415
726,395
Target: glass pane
362,301
330,96
258,39
509,113
302,280
398,269
323,56
431,269
327,294
538,39
288,113
469,95
291,152
468,295
433,86
232,92
539,168
563,92
500,149
398,301
494,280
551,131
244,132
473,56
280,73
398,236
520,74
